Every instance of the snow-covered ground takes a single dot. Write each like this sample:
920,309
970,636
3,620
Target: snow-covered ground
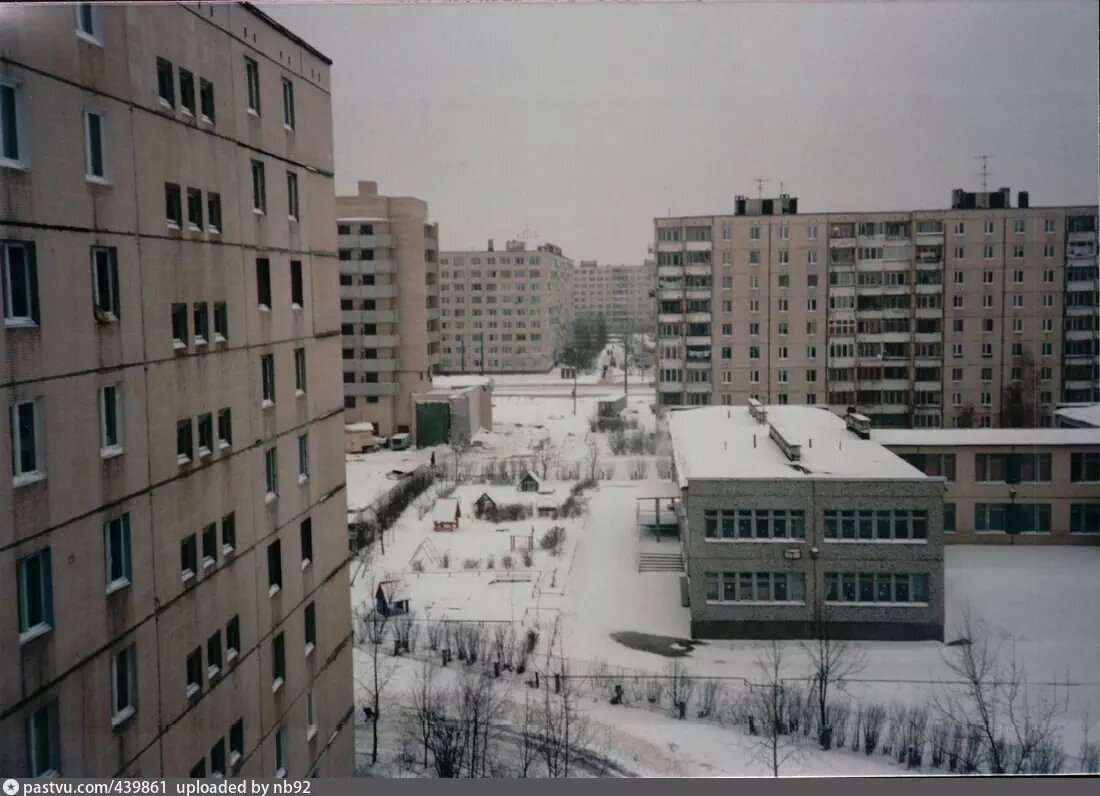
1039,600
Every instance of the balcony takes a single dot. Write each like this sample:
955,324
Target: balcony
670,246
376,340
369,316
670,317
671,363
671,386
929,263
698,340
699,245
377,389
698,317
671,293
701,293
699,386
379,241
698,269
372,365
1080,309
434,335
369,291
670,272
377,266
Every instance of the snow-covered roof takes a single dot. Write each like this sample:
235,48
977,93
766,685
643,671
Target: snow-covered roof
986,437
1084,414
648,490
613,398
726,442
445,509
364,426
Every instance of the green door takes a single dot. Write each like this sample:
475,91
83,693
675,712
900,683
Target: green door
433,424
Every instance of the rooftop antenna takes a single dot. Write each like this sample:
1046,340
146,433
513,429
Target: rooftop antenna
984,171
781,187
760,187
528,234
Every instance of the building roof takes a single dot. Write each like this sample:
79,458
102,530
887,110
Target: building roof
364,426
1084,414
613,397
985,437
294,37
726,442
445,510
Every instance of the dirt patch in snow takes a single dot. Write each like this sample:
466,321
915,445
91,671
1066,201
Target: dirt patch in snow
665,646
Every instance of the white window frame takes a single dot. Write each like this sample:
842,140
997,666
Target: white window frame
22,477
95,35
288,105
292,196
107,307
127,658
280,753
311,717
30,267
27,631
89,175
271,475
267,381
21,161
124,554
108,449
252,85
47,713
303,458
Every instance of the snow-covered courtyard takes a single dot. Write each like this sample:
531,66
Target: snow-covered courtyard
617,622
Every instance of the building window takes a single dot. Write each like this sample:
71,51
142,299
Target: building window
267,379
116,549
189,558
173,205
305,532
236,742
1084,468
166,83
184,447
288,104
297,292
280,753
292,195
221,322
225,428
310,615
179,326
271,474
95,147
206,100
217,759
259,188
201,316
311,717
1084,518
43,742
105,284
194,672
34,574
278,662
214,212
755,587
27,441
263,283
879,587
745,524
252,84
300,371
232,639
194,209
214,655
948,517
880,525
19,283
12,125
303,458
110,419
123,685
229,533
1018,226
187,92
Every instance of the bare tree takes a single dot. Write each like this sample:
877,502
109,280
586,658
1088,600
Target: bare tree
680,686
967,417
425,706
479,711
767,704
374,632
831,663
1018,402
592,457
459,449
546,454
529,742
1014,724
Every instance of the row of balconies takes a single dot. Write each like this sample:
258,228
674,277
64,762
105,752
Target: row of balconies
370,365
369,316
353,241
368,291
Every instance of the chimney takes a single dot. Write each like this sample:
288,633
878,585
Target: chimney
490,244
1022,200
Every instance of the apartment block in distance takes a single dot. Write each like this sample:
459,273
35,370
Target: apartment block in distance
507,311
923,318
625,295
1016,486
793,518
389,305
173,596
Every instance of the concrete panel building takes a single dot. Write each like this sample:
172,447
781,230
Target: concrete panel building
389,305
792,517
507,311
1010,486
918,318
625,295
173,589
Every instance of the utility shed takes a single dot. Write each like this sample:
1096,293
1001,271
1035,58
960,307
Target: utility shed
446,514
611,405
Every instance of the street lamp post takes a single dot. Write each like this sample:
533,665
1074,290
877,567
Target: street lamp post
1012,529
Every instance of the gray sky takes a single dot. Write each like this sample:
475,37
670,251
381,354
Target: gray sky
583,122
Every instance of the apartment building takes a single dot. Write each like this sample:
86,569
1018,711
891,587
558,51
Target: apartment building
389,305
1026,486
917,318
507,311
793,518
624,295
173,597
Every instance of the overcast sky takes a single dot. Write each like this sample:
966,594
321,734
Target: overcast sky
583,122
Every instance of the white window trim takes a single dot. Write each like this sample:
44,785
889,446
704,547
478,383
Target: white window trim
96,34
309,648
96,179
859,604
121,716
276,685
23,162
187,575
39,473
110,451
193,689
231,654
35,631
736,603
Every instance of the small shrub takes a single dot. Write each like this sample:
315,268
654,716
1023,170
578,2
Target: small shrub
445,560
471,563
873,719
531,640
581,487
506,562
512,512
528,559
418,566
653,689
490,562
553,540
